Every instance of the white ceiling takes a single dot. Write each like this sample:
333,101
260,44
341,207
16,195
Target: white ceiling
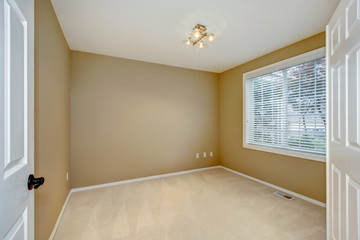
153,31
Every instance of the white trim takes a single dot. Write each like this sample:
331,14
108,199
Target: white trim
287,62
298,154
60,216
316,202
141,179
198,170
328,196
269,68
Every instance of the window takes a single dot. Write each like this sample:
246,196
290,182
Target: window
285,107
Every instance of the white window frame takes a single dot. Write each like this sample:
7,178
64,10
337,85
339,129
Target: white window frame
273,67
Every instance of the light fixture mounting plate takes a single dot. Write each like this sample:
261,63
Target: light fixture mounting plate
200,27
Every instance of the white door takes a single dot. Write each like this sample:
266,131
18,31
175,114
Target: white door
343,164
16,118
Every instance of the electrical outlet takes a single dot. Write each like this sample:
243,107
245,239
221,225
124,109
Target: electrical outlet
197,155
67,176
211,154
204,155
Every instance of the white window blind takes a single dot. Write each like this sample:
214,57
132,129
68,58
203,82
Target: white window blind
286,108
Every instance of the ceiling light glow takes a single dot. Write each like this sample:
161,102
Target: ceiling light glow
198,36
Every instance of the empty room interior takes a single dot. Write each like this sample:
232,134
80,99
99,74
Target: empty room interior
181,119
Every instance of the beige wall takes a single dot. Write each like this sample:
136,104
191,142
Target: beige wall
52,118
299,175
132,119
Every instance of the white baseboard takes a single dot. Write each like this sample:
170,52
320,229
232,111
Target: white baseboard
60,216
316,202
140,179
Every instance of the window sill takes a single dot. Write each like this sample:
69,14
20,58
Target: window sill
309,156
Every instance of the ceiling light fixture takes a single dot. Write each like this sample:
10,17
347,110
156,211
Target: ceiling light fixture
198,35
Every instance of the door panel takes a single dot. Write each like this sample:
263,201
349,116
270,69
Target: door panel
336,103
335,37
343,158
19,230
352,209
16,80
15,27
352,16
352,81
335,203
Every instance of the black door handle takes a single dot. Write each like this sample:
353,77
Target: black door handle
35,182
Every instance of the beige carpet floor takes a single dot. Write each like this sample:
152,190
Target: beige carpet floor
211,204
